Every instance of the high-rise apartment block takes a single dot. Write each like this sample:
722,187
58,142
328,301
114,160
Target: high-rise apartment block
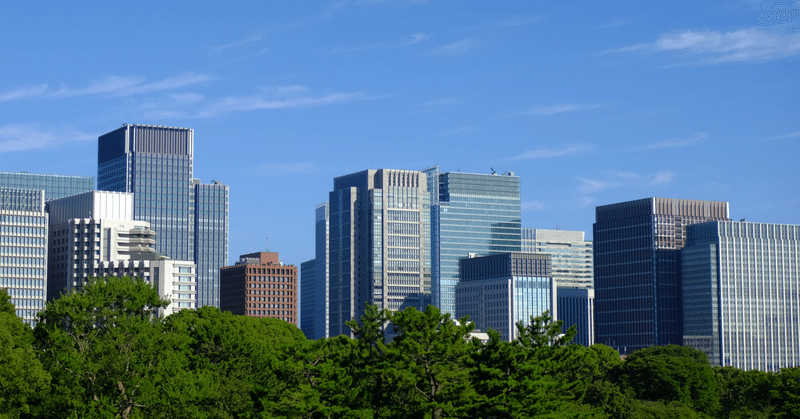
23,249
573,275
470,214
54,186
155,164
260,285
93,234
637,269
379,244
741,293
499,291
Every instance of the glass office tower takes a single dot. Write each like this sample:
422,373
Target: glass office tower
54,186
470,213
155,163
741,293
637,269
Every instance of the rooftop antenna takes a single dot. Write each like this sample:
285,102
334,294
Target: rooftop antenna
493,171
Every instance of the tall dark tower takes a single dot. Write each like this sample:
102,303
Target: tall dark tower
155,163
637,269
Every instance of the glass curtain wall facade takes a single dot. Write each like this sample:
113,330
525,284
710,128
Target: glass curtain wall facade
499,291
23,250
379,244
155,163
470,214
211,238
321,281
54,186
308,295
637,269
741,293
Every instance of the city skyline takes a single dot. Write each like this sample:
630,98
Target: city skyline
588,105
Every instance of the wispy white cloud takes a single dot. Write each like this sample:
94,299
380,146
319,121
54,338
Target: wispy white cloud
405,42
543,153
713,47
621,179
789,136
455,48
561,108
284,97
249,39
23,93
27,137
674,143
512,22
124,86
662,177
533,206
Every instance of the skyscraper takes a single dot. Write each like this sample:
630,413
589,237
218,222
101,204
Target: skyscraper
637,269
741,293
321,280
155,163
470,213
23,247
308,295
379,244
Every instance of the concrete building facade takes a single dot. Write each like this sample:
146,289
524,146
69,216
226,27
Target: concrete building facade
260,285
379,244
23,249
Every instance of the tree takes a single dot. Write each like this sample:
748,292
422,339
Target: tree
101,345
671,373
22,376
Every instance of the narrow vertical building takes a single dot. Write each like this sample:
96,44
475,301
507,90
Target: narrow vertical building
321,279
637,269
741,294
260,285
379,244
470,214
155,164
23,249
308,295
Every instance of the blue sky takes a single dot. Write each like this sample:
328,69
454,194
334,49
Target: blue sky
588,103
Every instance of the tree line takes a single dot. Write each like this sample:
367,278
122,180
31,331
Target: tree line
101,352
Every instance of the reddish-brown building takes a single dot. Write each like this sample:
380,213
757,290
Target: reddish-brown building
259,285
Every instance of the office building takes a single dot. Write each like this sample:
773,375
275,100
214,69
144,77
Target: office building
573,258
499,291
637,270
573,267
93,234
23,249
741,294
308,295
260,285
54,186
321,282
470,214
379,244
155,164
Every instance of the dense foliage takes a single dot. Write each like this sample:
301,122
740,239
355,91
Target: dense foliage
102,352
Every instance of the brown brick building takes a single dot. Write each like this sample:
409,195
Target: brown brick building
259,285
